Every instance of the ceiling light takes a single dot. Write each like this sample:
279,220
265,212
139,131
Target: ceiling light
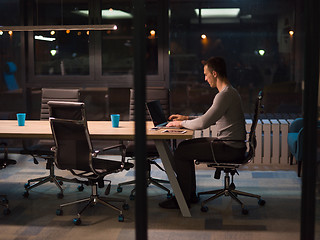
53,52
218,12
261,52
108,14
40,37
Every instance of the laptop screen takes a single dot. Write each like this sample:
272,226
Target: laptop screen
156,113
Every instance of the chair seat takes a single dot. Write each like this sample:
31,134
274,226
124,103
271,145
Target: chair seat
105,166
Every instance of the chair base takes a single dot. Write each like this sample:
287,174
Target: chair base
5,203
93,200
57,180
5,161
150,180
229,190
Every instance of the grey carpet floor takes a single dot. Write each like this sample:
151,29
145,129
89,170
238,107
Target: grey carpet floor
35,218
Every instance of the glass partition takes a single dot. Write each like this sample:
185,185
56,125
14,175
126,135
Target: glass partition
258,41
61,52
117,46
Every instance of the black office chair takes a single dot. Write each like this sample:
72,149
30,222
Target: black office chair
73,151
4,162
42,147
152,93
231,168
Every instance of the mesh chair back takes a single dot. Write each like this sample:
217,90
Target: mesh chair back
252,135
152,93
55,94
69,127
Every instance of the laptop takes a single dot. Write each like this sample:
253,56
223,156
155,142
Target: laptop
156,113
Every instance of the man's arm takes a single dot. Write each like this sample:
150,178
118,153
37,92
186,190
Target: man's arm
174,124
178,117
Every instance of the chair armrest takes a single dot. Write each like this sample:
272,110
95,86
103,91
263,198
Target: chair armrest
121,146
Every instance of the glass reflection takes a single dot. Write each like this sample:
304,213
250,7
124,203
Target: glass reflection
61,53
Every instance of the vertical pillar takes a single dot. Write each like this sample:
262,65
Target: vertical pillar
309,153
141,215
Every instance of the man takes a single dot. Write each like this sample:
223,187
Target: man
226,113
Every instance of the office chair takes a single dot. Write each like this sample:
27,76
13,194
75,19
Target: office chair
4,162
231,168
152,93
73,151
295,142
42,148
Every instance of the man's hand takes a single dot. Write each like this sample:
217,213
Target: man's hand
178,117
174,124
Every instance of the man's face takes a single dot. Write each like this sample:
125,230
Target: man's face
210,77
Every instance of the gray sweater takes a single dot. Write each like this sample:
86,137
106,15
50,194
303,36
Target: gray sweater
227,113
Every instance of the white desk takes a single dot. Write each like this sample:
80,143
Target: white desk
103,130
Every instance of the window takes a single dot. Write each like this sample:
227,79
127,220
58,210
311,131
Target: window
257,40
61,52
117,46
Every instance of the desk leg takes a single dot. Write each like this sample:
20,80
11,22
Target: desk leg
166,158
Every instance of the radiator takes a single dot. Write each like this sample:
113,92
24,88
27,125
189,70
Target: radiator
272,147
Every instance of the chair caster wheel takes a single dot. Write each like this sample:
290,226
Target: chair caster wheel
25,194
121,218
169,195
26,185
76,221
232,186
119,189
131,197
125,206
60,182
60,195
80,188
6,211
245,211
261,202
204,209
59,212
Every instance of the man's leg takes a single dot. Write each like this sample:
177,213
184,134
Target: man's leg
184,157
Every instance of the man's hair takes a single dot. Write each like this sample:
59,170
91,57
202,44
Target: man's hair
217,64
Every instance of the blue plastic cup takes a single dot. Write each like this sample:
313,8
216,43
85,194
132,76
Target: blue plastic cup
21,117
115,118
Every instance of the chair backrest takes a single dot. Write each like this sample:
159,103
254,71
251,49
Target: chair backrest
72,141
56,94
152,93
252,134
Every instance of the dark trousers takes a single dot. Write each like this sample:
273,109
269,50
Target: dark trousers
200,149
